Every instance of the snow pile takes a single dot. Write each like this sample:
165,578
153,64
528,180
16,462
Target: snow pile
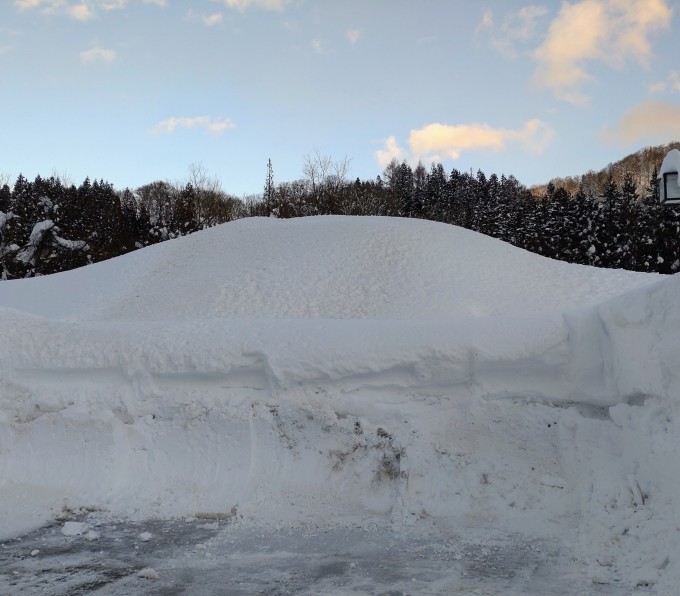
671,163
338,369
325,268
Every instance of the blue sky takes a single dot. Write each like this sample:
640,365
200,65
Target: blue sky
134,91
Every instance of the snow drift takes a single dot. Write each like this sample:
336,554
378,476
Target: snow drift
345,368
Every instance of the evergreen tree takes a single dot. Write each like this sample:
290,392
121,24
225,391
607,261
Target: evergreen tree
418,203
269,188
628,214
435,193
404,186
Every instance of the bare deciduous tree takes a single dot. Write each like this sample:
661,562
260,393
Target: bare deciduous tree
209,199
324,173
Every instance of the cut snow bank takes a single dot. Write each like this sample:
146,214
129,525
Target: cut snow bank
341,369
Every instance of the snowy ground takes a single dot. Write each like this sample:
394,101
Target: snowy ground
359,404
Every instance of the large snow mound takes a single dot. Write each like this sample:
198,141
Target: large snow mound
323,267
338,370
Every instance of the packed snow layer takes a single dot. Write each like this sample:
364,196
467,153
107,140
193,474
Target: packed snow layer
332,369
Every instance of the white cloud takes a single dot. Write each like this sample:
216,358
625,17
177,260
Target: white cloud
46,6
212,19
391,151
353,36
487,20
434,141
658,87
519,27
114,4
242,5
28,4
672,83
649,122
212,125
319,46
80,12
97,54
609,31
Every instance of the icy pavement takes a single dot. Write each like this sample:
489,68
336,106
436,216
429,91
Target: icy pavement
204,556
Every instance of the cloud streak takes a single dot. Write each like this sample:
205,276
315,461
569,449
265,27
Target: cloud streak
97,54
435,142
212,20
215,126
353,36
243,5
672,83
519,27
613,32
80,10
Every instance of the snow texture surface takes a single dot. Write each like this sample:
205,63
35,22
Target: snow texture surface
343,372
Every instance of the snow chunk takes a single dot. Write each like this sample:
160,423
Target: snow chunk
71,244
148,573
39,230
211,526
74,528
145,536
4,218
27,254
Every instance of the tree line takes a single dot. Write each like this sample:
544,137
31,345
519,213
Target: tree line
611,224
47,225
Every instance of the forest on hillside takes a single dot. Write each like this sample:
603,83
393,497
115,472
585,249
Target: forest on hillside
47,225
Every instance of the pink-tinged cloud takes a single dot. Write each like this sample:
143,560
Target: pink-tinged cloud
650,122
435,142
609,31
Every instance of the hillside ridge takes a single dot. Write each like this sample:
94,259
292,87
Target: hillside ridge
640,164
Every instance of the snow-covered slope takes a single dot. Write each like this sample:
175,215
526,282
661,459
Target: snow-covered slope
320,268
348,369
